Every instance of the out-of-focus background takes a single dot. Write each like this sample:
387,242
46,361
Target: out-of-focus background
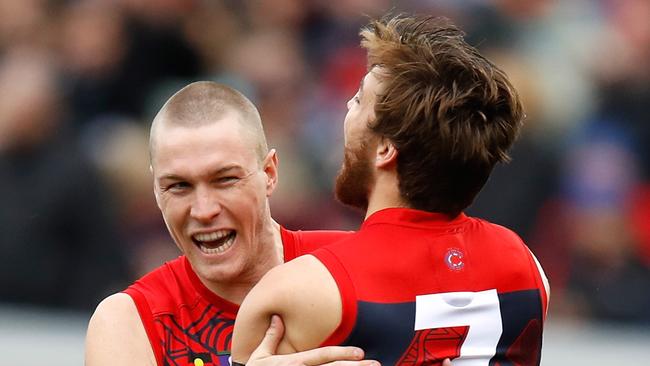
81,80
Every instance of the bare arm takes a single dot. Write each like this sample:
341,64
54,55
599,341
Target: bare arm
265,354
116,335
303,294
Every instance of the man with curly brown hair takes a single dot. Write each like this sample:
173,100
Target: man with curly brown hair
420,281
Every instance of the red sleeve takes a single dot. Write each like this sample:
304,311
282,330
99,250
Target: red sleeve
348,296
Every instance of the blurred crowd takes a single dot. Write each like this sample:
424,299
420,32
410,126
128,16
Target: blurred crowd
81,80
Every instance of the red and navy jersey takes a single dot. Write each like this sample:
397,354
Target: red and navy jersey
186,323
418,287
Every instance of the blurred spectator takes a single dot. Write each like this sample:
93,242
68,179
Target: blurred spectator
596,253
287,15
212,30
120,149
93,46
23,22
58,242
114,59
622,70
515,192
576,64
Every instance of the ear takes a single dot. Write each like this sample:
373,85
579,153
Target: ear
156,190
271,171
386,154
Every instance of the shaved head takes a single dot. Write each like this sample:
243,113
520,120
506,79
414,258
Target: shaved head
203,103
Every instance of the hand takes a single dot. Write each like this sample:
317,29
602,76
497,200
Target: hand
264,354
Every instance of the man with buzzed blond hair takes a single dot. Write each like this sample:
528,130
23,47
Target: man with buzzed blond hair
213,174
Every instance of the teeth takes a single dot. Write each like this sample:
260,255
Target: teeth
222,239
220,249
213,236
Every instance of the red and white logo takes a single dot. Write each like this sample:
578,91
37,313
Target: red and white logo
454,259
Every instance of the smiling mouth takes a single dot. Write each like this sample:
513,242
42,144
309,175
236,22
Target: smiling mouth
215,242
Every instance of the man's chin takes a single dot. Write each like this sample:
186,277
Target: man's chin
350,193
354,180
217,273
212,267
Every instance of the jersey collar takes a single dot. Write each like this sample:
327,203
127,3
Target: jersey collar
413,217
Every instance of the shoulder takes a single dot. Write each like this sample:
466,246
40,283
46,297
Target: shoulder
509,243
514,254
162,274
492,228
116,334
305,242
116,309
118,329
163,287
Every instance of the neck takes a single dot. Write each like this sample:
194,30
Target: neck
384,193
235,292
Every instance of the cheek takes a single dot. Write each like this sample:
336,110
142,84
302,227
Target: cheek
246,202
173,210
354,135
347,126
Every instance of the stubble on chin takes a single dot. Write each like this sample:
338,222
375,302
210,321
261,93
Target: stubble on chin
354,178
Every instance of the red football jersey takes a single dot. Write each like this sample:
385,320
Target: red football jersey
417,287
186,323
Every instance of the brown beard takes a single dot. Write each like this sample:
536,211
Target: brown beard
354,179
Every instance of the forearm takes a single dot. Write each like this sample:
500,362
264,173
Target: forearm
265,353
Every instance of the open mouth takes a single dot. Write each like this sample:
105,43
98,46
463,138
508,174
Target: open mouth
215,242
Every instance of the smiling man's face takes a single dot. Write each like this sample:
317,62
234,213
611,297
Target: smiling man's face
212,190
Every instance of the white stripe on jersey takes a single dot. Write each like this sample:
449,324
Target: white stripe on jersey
547,287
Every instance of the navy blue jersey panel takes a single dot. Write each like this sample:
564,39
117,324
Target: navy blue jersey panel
521,340
384,331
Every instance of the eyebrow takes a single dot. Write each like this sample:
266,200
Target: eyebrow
220,171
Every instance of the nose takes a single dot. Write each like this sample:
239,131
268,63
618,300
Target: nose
206,205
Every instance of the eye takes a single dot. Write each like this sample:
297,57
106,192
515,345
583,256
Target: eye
354,100
227,180
177,187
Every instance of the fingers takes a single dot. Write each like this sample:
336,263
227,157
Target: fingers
331,356
353,363
446,362
271,339
327,355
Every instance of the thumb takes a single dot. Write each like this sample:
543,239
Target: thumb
271,339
